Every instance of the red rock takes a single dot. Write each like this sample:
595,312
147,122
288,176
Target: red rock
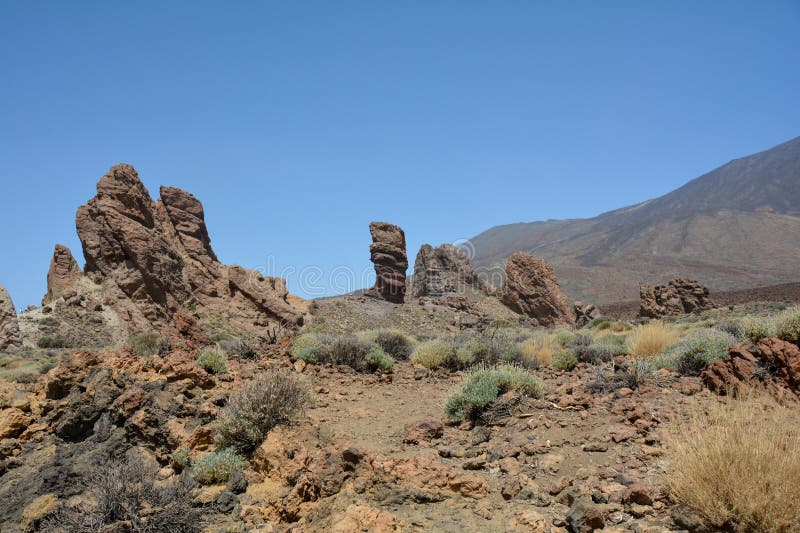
63,274
422,430
531,289
9,327
679,296
638,493
443,270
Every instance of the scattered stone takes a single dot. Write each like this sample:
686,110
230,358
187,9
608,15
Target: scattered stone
422,431
531,289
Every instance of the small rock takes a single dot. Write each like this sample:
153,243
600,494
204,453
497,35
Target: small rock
585,516
510,488
423,431
237,483
595,447
639,494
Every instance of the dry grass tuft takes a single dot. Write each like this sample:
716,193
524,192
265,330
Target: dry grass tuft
737,464
541,348
651,339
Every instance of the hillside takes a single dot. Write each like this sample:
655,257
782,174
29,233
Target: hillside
735,227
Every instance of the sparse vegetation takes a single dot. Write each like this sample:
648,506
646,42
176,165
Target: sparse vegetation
563,359
651,339
356,352
787,325
617,344
695,351
126,491
52,341
481,387
753,329
241,348
149,344
540,347
377,359
213,360
737,464
433,354
274,398
216,467
393,341
179,459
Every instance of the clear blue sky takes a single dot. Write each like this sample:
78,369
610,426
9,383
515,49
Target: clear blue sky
296,123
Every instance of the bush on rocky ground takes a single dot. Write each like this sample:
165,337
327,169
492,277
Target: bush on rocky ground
216,467
742,486
481,387
276,397
358,353
617,344
695,351
586,351
563,359
540,347
125,493
434,354
213,360
392,341
240,348
787,325
149,343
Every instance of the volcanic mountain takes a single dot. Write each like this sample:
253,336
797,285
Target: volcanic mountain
736,227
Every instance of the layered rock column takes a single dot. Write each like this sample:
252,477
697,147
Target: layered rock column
531,289
10,339
441,270
64,272
388,254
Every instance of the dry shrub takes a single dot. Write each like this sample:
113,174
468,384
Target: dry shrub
651,339
541,348
125,493
276,397
737,464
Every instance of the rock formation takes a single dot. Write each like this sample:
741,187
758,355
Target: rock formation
9,328
584,313
678,297
532,290
63,274
772,364
154,259
443,270
388,254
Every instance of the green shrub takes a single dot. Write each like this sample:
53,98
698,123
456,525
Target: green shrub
216,467
377,359
180,459
753,329
695,351
241,349
433,354
481,387
277,397
306,347
392,341
564,337
600,323
149,344
734,327
52,341
213,361
618,344
787,325
563,360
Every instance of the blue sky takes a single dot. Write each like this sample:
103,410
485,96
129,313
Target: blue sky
298,122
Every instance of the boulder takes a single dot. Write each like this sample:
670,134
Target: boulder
531,289
388,254
678,297
443,270
63,274
154,259
584,313
9,327
772,364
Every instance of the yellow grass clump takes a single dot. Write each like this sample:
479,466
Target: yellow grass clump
738,464
541,348
651,339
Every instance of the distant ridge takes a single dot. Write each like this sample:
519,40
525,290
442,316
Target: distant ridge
736,227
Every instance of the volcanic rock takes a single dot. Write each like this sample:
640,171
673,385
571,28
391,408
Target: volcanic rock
584,313
9,327
679,296
154,259
388,254
63,274
772,364
532,289
441,270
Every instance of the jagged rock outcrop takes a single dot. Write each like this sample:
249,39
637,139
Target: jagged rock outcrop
678,297
772,364
443,270
154,259
531,289
63,274
9,327
584,313
388,254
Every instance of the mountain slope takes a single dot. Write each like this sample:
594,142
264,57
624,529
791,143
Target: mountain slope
735,227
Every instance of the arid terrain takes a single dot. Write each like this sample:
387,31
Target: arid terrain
160,390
